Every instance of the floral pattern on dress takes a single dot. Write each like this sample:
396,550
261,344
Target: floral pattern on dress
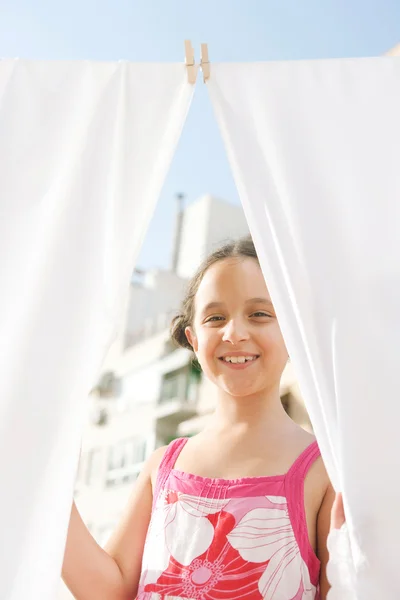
266,534
203,548
177,516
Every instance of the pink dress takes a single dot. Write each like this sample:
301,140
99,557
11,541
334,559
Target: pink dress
218,539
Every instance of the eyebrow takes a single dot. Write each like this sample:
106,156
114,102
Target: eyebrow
211,305
259,300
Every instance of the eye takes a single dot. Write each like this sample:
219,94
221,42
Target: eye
214,319
260,313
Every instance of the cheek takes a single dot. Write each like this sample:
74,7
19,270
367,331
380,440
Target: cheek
208,341
273,343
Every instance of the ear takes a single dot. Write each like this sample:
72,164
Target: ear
191,338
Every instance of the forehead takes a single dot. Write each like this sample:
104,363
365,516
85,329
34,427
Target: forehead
232,279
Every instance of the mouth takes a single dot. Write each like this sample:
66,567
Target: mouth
242,361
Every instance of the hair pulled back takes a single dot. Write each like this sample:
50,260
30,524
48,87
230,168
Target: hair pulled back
242,248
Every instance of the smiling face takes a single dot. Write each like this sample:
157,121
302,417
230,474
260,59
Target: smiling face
235,333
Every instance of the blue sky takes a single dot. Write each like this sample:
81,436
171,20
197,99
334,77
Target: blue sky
236,30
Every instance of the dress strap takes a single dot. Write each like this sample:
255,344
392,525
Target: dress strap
167,464
294,491
304,462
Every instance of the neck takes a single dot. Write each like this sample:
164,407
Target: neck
262,411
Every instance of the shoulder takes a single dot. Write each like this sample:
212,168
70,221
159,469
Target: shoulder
156,457
149,471
317,468
153,463
307,441
316,479
317,482
304,445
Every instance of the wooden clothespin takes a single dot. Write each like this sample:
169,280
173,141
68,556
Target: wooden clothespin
190,62
205,62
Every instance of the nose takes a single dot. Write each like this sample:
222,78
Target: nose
235,331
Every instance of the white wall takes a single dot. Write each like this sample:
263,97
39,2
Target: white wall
159,293
226,223
207,223
194,236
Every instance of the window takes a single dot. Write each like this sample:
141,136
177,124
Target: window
125,461
115,478
135,451
127,452
170,386
182,384
116,457
174,385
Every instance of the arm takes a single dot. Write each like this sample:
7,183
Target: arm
338,517
341,570
323,527
127,543
92,573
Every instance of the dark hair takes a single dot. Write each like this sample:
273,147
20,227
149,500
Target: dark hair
242,248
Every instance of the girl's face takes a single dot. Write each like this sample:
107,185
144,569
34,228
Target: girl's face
235,333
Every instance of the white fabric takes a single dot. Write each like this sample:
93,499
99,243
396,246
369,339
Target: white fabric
84,148
314,147
341,573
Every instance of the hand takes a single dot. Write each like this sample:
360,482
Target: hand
338,518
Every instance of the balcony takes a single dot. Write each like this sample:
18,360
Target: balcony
178,396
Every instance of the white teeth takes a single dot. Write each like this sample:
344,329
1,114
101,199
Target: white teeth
239,359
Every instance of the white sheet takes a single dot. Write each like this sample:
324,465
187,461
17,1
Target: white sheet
84,148
314,147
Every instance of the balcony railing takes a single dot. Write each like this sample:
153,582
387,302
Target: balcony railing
179,392
123,475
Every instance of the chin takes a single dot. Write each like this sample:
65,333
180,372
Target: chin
240,391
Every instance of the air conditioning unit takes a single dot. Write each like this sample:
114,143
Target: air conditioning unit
108,386
100,417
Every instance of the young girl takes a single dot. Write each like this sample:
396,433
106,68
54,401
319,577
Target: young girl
240,511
